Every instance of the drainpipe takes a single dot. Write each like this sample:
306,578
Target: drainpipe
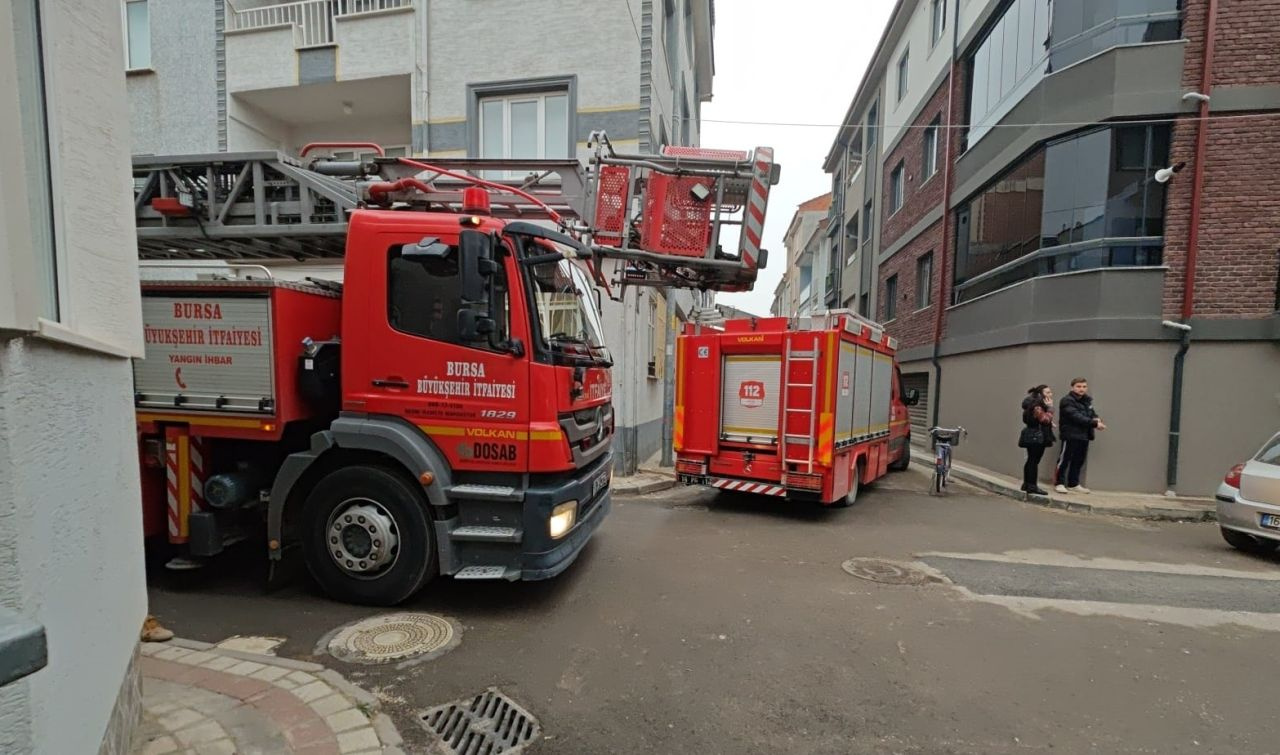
1175,408
1193,249
669,377
947,159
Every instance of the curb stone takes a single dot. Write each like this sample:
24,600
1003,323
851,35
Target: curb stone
642,488
1152,513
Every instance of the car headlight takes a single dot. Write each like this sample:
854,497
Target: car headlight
562,519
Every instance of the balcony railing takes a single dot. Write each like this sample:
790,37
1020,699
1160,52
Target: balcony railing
314,19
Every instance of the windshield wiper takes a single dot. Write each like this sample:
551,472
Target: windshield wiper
562,336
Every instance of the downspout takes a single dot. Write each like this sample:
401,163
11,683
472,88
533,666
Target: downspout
943,293
1193,250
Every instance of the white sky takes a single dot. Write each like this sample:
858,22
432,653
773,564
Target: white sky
799,63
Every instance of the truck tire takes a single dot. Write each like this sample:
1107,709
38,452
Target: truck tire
904,461
852,496
1247,543
367,536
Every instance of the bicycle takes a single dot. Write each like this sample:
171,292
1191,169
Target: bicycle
944,439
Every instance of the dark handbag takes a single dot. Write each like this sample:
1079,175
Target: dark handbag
1031,437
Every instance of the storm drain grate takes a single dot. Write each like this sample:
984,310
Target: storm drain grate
488,724
886,572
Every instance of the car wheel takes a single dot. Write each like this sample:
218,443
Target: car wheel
367,536
1247,543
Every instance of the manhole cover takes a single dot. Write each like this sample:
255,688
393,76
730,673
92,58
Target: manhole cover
394,637
488,724
886,572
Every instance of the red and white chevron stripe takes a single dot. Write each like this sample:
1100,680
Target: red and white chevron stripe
171,485
744,486
197,457
757,200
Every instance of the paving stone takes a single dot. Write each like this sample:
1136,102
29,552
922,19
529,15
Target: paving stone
360,739
270,673
310,732
302,677
323,748
286,684
245,668
221,663
250,644
219,747
327,706
159,709
160,746
386,729
197,657
208,731
151,648
172,653
347,719
180,719
313,691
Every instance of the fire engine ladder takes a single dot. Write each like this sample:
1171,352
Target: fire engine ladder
791,358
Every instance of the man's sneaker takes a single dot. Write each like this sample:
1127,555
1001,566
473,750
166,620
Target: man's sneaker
153,632
1061,489
1079,489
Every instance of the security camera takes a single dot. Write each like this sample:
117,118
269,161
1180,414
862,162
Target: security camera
1164,174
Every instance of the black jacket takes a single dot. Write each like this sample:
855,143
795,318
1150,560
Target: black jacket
1077,418
1029,405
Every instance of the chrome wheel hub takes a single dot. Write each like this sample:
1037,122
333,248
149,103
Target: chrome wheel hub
362,538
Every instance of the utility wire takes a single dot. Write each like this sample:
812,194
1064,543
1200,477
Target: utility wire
1053,124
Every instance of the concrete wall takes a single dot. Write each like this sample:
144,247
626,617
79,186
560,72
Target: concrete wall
174,106
70,518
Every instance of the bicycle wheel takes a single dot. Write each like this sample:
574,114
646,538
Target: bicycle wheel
946,466
939,470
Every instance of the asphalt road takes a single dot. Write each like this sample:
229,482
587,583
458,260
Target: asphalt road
706,623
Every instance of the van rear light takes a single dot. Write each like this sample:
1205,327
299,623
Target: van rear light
689,466
803,481
1233,477
153,453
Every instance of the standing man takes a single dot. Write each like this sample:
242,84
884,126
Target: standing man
1077,421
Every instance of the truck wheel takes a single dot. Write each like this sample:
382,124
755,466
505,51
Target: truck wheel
1247,543
904,462
852,497
367,536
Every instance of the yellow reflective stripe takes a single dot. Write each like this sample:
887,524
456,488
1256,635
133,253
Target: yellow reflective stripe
198,420
454,431
752,358
750,430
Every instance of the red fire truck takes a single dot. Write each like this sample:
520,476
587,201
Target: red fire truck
806,408
445,408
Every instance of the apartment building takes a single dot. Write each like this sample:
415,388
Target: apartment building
439,78
1032,179
72,588
806,247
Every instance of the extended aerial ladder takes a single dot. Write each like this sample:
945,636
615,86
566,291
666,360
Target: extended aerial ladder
659,218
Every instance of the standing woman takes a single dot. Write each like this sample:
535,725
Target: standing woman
1037,434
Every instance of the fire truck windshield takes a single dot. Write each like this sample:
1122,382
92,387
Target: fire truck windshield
567,314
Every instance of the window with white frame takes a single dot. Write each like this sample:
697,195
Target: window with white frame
903,63
137,35
929,144
35,150
897,190
937,20
924,281
525,126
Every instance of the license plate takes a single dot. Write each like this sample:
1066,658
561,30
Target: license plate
600,483
1270,521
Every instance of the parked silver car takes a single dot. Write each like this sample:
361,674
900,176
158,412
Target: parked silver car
1249,501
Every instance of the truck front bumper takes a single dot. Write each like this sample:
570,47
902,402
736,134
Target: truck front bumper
543,557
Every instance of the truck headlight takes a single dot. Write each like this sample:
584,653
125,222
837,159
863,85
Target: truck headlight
562,518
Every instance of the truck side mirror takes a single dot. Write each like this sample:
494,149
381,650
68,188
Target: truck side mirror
911,397
476,267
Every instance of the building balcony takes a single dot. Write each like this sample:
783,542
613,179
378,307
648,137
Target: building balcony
319,70
317,41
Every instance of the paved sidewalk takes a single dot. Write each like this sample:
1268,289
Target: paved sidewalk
1134,505
645,480
203,699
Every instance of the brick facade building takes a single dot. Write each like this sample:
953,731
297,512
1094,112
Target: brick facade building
1057,251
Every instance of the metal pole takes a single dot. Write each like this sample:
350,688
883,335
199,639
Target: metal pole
669,381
